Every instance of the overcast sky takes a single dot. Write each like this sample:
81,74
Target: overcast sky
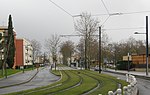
38,19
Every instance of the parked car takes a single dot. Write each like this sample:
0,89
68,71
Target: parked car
96,68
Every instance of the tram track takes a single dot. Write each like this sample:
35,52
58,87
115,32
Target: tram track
78,82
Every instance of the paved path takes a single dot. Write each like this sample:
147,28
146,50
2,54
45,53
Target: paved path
42,78
17,78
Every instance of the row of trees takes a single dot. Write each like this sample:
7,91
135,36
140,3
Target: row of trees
115,51
87,48
112,52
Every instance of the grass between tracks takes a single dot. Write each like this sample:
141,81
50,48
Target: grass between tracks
86,83
74,82
107,83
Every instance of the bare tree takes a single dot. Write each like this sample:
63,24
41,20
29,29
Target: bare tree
67,49
86,26
80,48
36,48
114,51
52,45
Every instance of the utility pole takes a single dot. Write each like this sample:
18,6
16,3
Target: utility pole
99,57
85,62
128,62
147,54
147,45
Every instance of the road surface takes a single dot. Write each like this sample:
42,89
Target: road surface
142,84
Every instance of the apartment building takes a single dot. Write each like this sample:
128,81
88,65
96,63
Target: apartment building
24,53
4,32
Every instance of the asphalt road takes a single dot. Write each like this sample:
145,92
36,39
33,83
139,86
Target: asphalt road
43,78
142,84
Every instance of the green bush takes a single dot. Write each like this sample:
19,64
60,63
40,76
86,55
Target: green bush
123,65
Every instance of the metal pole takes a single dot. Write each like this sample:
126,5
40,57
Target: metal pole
115,59
85,63
33,58
128,62
5,70
99,57
146,45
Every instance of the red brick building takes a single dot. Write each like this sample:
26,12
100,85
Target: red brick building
19,53
24,53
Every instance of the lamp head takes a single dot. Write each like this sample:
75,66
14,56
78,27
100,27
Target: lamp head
136,33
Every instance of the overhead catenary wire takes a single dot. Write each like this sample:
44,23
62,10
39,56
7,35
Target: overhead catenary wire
80,15
105,7
65,12
137,12
124,28
61,8
108,13
122,13
105,20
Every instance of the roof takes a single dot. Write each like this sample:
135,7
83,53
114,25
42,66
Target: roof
3,27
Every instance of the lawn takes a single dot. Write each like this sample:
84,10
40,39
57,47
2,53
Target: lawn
12,71
9,72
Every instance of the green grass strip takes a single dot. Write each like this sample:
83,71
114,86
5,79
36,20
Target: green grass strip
87,84
109,83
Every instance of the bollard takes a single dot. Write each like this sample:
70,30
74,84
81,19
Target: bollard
119,91
134,81
127,77
125,90
110,93
132,78
133,88
129,89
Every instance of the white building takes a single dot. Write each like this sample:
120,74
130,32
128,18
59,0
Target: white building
28,52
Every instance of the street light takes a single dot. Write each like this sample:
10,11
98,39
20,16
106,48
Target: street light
99,57
146,44
128,62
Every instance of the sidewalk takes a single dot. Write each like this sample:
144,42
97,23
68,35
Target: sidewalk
19,78
135,73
